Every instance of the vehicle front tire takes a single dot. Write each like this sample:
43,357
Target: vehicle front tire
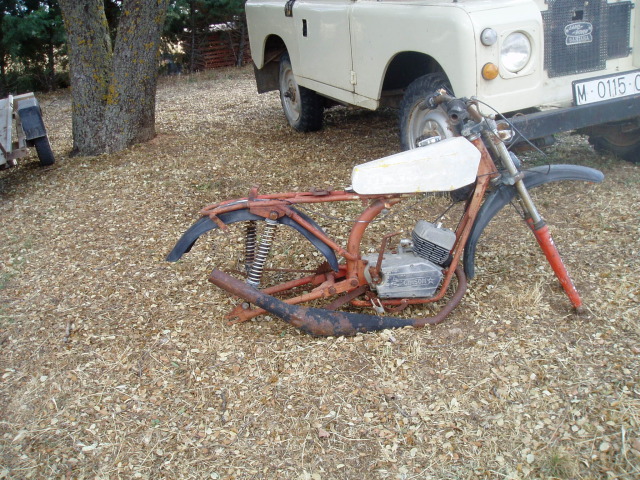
625,145
418,122
302,107
43,149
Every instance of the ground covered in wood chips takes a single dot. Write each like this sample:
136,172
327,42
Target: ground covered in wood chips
117,364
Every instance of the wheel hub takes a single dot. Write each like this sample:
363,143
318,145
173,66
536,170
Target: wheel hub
291,94
428,126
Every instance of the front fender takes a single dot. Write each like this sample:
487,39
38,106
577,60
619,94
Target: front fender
31,119
500,197
205,224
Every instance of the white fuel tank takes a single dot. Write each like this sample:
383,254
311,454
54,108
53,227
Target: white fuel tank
440,167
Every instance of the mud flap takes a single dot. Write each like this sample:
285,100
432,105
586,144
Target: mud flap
500,197
205,224
31,119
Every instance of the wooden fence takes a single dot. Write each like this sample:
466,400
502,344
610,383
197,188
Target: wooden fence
221,48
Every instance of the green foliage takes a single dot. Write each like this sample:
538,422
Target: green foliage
33,52
200,14
31,46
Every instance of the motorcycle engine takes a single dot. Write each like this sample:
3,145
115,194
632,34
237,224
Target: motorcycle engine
415,271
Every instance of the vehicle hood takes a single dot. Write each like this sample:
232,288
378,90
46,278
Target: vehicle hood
469,5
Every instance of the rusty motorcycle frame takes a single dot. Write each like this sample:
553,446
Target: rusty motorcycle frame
353,280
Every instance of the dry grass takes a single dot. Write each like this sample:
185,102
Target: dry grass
116,364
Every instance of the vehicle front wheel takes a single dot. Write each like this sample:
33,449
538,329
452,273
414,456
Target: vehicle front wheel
43,149
302,107
625,145
419,123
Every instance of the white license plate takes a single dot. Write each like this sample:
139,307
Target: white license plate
600,89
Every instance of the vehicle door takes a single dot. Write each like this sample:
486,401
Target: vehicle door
324,41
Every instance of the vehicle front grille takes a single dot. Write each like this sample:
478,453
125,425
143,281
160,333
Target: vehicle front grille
581,35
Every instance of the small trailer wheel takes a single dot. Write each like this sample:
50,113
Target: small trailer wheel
43,149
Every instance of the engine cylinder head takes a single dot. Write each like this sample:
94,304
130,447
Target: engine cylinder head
432,242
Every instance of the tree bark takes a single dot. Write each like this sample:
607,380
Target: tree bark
113,89
242,46
90,68
192,18
131,101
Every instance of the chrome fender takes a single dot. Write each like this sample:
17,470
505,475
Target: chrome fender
500,197
205,224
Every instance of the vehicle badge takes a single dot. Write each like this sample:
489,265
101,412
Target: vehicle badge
578,32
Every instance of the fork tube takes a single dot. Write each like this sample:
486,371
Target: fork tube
540,228
543,236
523,193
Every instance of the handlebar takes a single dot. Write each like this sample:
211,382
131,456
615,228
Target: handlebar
470,105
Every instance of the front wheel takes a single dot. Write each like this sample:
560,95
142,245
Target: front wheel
625,145
43,149
302,107
418,123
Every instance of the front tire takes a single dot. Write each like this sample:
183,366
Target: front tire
302,107
43,149
625,145
418,122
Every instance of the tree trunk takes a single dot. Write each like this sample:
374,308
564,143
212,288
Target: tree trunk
51,62
131,102
192,18
242,46
113,90
3,78
90,68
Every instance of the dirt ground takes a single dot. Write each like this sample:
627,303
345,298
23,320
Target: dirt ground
117,364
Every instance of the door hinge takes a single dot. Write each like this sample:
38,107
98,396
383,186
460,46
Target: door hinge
354,79
288,8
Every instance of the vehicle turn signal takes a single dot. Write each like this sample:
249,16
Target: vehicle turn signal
489,71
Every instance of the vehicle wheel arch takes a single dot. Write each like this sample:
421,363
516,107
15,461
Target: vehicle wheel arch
404,68
267,74
274,47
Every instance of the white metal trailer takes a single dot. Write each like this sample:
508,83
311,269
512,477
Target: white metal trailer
20,115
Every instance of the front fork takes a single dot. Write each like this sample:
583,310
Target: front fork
538,225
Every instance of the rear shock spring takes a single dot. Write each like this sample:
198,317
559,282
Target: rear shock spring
257,267
250,245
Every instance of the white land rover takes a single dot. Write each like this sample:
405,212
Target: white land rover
568,64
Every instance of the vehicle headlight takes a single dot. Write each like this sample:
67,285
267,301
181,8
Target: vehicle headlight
515,51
